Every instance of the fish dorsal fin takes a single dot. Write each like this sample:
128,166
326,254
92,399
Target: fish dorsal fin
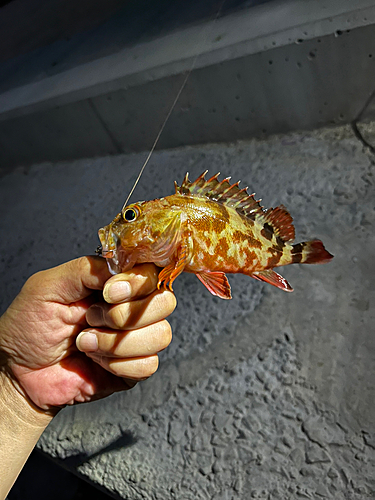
223,192
279,222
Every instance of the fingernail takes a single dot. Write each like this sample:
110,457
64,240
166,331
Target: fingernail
94,315
116,292
87,341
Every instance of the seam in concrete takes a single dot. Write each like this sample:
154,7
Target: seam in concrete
355,128
102,122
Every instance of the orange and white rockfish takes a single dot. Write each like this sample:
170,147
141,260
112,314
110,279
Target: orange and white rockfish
208,228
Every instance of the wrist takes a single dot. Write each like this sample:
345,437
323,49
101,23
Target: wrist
19,406
21,425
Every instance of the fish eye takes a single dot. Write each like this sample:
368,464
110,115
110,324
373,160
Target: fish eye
130,214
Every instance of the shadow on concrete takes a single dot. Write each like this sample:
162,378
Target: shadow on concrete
43,479
125,440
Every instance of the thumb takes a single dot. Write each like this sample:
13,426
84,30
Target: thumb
71,281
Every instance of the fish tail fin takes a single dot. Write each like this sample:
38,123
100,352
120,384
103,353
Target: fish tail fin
310,252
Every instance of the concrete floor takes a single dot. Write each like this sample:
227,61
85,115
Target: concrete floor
269,395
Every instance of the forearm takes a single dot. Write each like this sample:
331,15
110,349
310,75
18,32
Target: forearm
21,425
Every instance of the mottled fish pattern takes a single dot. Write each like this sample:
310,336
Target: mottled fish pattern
209,228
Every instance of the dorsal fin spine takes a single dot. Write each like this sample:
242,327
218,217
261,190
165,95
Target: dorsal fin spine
237,197
199,179
213,178
222,192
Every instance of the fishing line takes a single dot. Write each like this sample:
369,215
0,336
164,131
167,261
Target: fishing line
158,136
174,103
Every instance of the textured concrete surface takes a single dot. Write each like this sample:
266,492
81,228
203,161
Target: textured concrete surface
270,395
259,70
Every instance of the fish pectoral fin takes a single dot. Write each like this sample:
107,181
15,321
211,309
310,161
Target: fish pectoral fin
169,239
217,283
171,271
271,277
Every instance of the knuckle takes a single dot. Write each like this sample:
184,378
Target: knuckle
165,334
118,315
167,302
136,369
149,366
80,266
109,364
144,279
172,301
151,272
106,342
34,281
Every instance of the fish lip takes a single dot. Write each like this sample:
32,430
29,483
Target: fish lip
108,254
112,259
118,259
109,248
113,266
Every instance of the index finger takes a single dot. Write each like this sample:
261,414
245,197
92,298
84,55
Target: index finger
71,281
140,281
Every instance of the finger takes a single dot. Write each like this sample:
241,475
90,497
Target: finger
134,314
138,282
131,368
70,282
134,343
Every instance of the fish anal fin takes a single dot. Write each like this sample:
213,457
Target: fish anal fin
216,282
271,277
280,222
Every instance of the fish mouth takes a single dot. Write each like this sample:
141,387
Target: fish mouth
113,263
119,259
110,249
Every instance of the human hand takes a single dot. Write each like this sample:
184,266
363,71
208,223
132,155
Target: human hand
39,330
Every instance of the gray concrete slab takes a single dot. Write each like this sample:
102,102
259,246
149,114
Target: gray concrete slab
269,68
269,395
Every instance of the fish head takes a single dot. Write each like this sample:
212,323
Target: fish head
122,240
141,232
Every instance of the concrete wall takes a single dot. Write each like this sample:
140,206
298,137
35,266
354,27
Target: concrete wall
269,395
269,68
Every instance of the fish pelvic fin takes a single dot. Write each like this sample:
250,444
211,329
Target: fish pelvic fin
310,252
273,278
216,282
169,273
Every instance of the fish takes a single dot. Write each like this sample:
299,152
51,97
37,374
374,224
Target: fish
208,228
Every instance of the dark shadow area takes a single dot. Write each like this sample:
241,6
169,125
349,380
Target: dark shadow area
125,440
44,22
50,36
43,479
